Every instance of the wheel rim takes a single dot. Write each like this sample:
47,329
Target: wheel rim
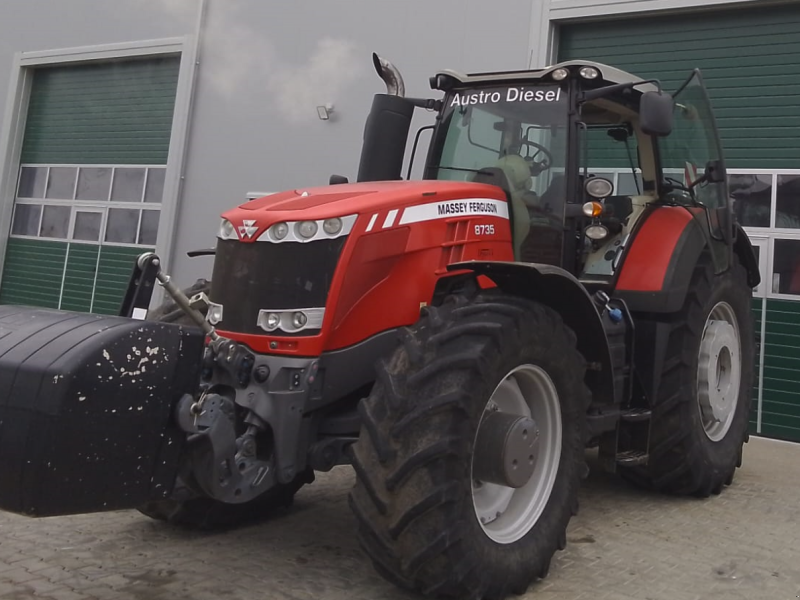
719,371
506,514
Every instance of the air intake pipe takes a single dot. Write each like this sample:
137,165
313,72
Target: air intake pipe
387,127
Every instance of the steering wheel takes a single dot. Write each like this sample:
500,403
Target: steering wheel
540,166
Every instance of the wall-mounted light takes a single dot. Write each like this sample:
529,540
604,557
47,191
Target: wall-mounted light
324,112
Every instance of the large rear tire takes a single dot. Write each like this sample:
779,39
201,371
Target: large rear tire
700,416
190,509
424,521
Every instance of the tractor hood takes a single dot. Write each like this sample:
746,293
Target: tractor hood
252,219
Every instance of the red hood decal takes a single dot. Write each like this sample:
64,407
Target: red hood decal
296,201
349,199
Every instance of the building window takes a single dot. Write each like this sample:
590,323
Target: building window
751,196
112,204
787,213
786,267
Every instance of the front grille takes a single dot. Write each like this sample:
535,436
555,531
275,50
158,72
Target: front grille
263,275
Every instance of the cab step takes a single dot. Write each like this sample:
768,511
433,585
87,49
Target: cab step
632,458
636,415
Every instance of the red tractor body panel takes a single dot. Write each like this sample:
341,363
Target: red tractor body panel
648,259
405,235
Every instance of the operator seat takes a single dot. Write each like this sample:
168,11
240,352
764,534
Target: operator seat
555,194
512,175
545,243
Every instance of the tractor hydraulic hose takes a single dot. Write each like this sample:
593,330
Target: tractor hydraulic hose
180,298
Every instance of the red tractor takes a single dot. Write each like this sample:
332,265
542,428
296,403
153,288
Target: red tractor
459,340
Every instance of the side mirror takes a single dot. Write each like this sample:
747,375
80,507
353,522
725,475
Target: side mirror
656,113
337,180
714,173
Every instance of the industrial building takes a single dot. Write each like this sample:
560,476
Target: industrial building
131,125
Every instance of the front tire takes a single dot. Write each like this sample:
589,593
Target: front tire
700,416
198,512
418,507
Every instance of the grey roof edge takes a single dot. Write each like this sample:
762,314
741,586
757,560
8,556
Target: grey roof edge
608,73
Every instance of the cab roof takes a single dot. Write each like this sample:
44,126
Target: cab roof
608,74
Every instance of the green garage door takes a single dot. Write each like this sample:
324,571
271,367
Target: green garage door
748,58
90,183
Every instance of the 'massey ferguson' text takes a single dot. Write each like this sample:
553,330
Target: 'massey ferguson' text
460,208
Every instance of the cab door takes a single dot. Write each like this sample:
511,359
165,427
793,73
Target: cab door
692,156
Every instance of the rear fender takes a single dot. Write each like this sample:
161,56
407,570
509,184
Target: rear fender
86,409
562,292
652,332
658,265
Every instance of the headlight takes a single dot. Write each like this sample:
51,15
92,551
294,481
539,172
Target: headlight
268,321
227,231
589,73
596,232
299,320
560,74
332,226
307,229
597,187
279,231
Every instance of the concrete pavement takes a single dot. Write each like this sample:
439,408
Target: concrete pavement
624,545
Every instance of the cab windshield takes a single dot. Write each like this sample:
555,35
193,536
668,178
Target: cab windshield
514,137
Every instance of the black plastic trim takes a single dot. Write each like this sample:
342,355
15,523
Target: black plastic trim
350,368
747,256
249,277
561,291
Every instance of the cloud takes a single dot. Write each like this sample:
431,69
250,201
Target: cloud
236,58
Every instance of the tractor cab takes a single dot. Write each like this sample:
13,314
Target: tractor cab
514,137
580,149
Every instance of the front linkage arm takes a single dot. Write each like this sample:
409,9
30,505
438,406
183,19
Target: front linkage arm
146,271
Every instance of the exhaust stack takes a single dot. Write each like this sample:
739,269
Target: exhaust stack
386,130
390,75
